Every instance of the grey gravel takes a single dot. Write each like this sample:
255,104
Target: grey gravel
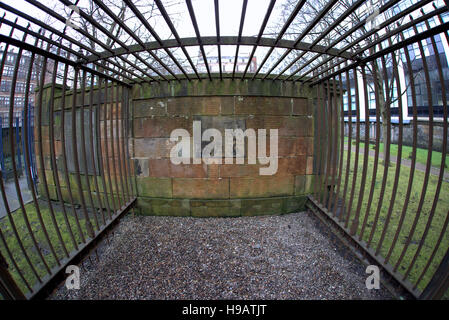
266,257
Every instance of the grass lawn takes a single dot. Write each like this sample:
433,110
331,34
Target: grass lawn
421,154
26,239
441,212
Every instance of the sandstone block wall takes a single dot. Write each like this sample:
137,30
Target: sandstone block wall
221,189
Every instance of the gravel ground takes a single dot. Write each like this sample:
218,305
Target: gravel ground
266,257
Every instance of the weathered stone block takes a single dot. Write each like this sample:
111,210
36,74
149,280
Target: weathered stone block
215,208
295,204
261,187
149,107
154,148
164,207
201,188
154,187
262,105
160,127
255,207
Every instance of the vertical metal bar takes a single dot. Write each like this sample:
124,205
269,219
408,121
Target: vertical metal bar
19,160
325,196
259,36
117,130
429,158
53,154
39,105
105,125
399,155
64,153
88,224
198,36
100,149
83,150
11,258
322,110
239,39
443,160
445,127
8,286
334,152
16,234
357,144
5,201
113,159
125,155
348,159
387,142
342,147
413,155
355,223
91,141
217,26
376,151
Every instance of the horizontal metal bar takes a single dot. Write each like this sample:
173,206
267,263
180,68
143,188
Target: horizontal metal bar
223,40
48,54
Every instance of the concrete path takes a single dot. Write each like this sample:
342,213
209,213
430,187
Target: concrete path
11,194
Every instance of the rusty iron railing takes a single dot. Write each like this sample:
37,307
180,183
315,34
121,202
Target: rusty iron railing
392,204
80,193
395,211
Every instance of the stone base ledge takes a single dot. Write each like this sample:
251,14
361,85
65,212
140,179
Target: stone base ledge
220,208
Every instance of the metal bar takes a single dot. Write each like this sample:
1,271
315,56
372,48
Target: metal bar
175,34
5,201
355,223
53,153
117,130
11,258
348,154
446,222
8,288
443,160
399,154
329,112
342,145
374,69
217,27
105,124
131,33
262,28
429,158
64,153
413,155
357,143
334,152
379,53
100,150
281,33
88,224
154,34
92,149
76,257
197,32
386,117
83,150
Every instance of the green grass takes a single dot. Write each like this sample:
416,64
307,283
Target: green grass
435,227
421,154
30,249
